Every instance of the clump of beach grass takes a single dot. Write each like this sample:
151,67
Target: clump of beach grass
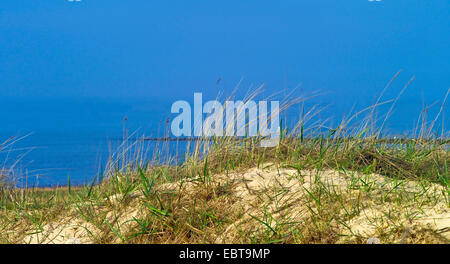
345,185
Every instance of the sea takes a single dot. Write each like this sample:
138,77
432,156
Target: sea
49,142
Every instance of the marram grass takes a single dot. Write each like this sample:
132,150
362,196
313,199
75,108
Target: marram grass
334,187
193,202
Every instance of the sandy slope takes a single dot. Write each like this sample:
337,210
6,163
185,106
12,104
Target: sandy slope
274,198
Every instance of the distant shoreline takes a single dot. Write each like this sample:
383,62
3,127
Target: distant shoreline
381,140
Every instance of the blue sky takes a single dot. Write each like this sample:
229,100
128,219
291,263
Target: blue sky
169,49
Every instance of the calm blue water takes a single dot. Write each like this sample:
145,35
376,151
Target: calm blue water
71,137
76,137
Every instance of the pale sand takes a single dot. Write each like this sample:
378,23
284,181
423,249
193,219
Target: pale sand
279,195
